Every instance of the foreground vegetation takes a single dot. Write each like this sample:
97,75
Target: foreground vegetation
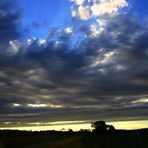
102,136
81,139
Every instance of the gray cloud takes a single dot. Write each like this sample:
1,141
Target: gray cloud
101,77
9,19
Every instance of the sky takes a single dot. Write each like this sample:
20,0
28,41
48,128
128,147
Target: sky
69,63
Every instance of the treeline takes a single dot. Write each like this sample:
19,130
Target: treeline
99,127
15,133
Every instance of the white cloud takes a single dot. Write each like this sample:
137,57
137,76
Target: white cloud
14,47
95,30
44,106
16,105
104,59
107,7
79,2
144,100
41,42
96,8
31,40
74,13
69,30
84,13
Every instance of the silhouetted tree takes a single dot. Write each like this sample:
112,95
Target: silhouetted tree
110,128
70,130
101,127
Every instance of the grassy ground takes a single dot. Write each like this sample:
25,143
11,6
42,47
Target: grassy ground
125,140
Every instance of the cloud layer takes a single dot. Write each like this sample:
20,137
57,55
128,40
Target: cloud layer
77,73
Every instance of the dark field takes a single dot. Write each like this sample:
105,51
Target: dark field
52,139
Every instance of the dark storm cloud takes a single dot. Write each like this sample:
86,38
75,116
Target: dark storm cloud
9,19
100,77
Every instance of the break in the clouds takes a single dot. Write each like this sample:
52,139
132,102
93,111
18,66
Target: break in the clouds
81,72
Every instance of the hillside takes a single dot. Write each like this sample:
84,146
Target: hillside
53,139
